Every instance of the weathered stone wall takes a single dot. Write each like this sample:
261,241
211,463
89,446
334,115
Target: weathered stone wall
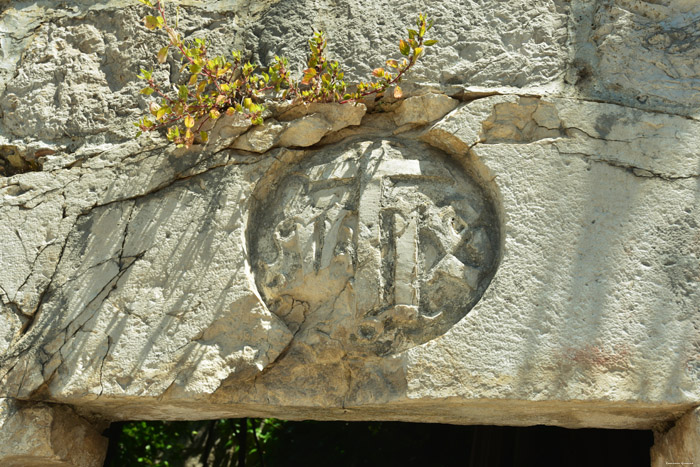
516,242
679,445
42,435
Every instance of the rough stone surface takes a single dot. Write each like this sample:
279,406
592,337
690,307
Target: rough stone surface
423,109
43,435
300,126
639,53
261,138
515,243
576,219
518,43
373,248
680,445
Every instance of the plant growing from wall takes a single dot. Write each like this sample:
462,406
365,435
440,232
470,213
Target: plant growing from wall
217,86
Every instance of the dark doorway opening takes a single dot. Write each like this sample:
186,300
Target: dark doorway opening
271,442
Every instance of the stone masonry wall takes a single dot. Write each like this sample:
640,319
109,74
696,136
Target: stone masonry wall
515,242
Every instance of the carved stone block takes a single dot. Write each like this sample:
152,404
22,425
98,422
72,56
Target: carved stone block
373,246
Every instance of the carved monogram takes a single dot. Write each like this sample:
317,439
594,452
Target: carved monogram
376,245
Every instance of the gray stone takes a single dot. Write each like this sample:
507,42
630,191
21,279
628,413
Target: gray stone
518,44
300,126
377,248
260,138
42,435
423,109
638,53
338,116
680,445
514,243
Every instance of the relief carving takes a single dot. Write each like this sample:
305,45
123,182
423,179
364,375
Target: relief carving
376,246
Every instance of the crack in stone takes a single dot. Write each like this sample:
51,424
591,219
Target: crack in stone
109,288
102,365
31,267
286,348
600,138
126,234
61,189
639,172
27,329
169,183
21,241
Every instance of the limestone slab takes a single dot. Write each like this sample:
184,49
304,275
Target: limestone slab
43,435
515,243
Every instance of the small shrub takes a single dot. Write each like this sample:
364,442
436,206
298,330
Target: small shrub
218,85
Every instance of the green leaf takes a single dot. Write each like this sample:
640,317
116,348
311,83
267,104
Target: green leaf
173,133
151,22
404,47
183,92
204,136
194,68
412,33
214,114
163,54
309,74
430,42
145,74
147,91
146,2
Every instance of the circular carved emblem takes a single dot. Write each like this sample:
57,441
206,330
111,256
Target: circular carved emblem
374,245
